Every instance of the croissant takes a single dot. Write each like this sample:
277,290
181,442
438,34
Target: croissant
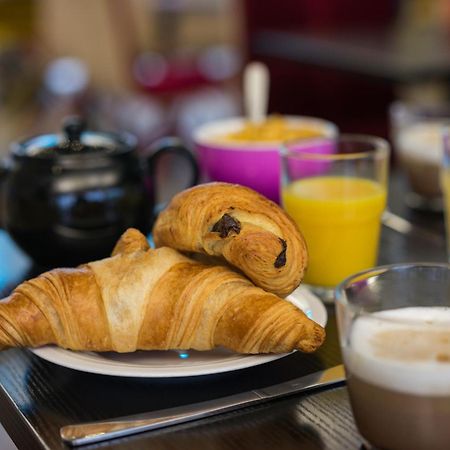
249,231
145,299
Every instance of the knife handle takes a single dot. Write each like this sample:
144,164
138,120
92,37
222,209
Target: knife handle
88,433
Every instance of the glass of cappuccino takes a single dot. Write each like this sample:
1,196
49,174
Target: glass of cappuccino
394,328
416,133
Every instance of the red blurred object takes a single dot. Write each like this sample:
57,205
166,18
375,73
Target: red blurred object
157,74
355,102
317,14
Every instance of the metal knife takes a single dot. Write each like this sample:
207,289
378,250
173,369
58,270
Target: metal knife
87,433
405,227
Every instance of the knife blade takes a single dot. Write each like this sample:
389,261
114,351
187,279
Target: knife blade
90,432
407,228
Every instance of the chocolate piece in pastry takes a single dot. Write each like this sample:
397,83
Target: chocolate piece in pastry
234,222
145,299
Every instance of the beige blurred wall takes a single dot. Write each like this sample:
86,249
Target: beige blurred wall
107,34
91,30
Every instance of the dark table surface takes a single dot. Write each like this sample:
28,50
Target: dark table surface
38,397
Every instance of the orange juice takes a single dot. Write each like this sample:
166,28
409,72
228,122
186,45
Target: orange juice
340,220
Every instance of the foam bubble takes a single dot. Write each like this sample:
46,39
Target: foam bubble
406,350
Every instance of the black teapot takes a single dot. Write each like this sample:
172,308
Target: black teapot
68,197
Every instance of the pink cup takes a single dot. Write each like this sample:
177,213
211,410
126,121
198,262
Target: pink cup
253,164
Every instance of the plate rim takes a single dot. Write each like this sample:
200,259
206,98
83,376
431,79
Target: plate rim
77,360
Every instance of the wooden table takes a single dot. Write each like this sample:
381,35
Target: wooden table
37,397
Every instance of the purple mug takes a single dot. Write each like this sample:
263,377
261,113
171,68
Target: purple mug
253,164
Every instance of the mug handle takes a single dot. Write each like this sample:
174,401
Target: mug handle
175,146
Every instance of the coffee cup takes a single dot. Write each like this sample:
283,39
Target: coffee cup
225,153
417,137
394,329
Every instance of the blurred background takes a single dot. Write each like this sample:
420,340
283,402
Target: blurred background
155,67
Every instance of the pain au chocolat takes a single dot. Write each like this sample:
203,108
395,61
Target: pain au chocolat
241,226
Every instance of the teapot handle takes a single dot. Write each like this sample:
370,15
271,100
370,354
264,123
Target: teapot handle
175,146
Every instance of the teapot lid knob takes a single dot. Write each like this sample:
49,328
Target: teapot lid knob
73,126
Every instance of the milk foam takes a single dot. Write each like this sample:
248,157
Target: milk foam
405,350
423,141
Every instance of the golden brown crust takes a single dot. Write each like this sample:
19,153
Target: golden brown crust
131,241
251,232
152,299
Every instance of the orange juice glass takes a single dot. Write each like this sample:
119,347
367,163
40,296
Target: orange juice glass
337,200
445,184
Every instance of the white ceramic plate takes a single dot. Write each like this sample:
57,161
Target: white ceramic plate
155,364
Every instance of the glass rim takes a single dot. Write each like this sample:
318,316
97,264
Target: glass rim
339,291
381,148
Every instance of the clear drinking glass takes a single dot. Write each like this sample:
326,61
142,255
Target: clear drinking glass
394,330
337,197
416,131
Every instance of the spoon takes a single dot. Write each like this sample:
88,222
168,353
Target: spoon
256,91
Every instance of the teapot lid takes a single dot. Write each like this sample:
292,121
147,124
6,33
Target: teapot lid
75,141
